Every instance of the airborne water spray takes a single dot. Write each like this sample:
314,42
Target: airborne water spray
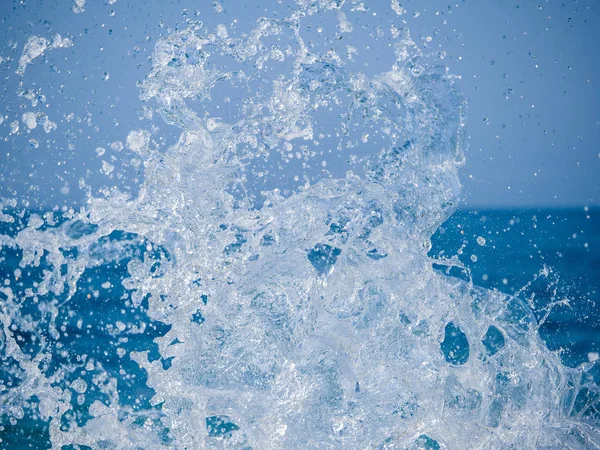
269,284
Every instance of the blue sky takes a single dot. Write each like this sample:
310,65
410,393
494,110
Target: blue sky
529,71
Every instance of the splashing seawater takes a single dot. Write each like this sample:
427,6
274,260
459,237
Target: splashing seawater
233,305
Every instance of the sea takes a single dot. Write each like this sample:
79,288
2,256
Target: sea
550,255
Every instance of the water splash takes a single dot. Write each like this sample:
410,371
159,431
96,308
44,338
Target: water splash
269,286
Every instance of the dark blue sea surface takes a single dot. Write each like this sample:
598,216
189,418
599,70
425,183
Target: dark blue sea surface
546,257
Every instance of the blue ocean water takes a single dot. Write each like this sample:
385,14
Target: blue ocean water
504,250
522,244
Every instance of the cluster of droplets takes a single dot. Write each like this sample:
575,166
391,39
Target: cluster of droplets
233,305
